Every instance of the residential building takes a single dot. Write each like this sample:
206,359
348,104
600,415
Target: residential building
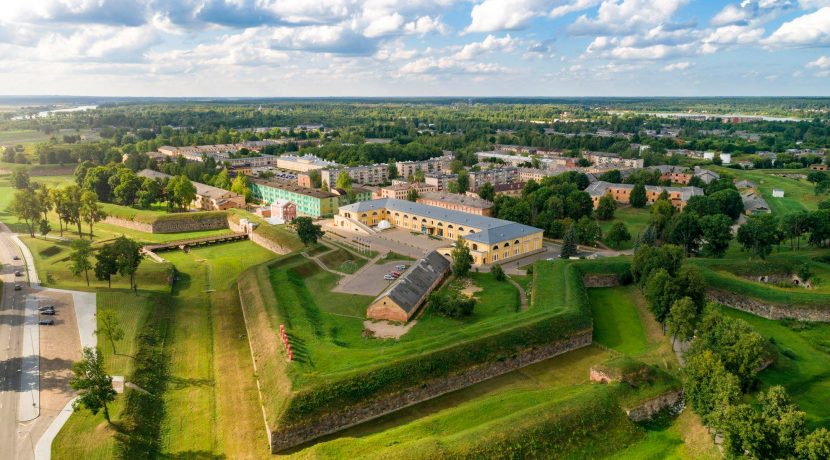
402,299
401,191
442,164
495,176
706,175
725,158
305,163
309,201
208,197
284,211
368,175
678,196
744,184
675,174
754,203
439,180
612,159
490,240
457,202
818,167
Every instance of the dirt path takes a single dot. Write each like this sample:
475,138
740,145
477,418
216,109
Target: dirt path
522,294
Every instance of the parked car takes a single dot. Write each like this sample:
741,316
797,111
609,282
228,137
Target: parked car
47,307
400,267
48,312
18,287
47,322
388,277
18,273
16,257
395,275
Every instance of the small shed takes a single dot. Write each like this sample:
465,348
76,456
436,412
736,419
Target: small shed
777,193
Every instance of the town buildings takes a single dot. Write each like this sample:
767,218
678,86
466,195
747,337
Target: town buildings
401,190
490,240
407,169
208,197
457,202
678,196
612,159
309,201
304,163
439,180
495,176
368,175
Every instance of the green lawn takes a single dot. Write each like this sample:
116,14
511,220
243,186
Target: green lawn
617,323
803,365
88,436
24,136
342,261
799,194
392,256
635,219
131,310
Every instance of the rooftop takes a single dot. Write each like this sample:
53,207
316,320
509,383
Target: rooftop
599,188
293,187
457,198
491,229
412,287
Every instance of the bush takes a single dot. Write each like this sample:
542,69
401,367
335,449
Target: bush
451,303
625,278
498,272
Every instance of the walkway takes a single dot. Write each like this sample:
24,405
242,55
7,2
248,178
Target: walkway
522,294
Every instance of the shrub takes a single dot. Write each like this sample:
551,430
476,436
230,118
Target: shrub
498,272
451,303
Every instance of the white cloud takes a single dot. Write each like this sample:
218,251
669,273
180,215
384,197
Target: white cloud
821,63
733,34
572,7
811,29
450,65
626,16
425,25
677,66
491,43
383,25
495,15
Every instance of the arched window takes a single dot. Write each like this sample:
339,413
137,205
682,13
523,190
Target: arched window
475,247
506,245
460,229
495,247
449,226
363,215
516,242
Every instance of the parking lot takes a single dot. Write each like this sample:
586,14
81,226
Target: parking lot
369,281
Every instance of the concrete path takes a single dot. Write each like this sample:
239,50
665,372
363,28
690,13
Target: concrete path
28,406
43,449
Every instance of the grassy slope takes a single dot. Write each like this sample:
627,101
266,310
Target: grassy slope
799,194
635,219
617,323
803,365
342,261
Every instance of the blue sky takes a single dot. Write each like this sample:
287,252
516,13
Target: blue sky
415,47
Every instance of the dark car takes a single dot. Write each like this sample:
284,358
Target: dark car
48,312
47,322
18,287
16,257
47,307
18,273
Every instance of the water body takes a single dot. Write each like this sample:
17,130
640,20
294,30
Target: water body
47,113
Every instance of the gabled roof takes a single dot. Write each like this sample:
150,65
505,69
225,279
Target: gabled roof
415,284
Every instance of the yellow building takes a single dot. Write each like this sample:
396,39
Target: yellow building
490,240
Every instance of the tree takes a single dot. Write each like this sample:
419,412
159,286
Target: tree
125,185
617,235
392,167
72,202
412,195
106,263
462,260
684,230
91,211
223,179
729,202
93,384
648,259
110,327
241,186
707,385
638,197
569,242
181,192
307,230
498,272
20,179
606,207
578,204
588,231
794,225
487,192
127,258
463,181
819,227
344,181
58,199
79,258
758,234
716,231
44,227
660,214
150,192
814,446
26,207
682,319
661,291
702,205
419,176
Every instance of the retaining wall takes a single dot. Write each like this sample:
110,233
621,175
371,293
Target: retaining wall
765,310
371,409
649,408
126,223
186,224
597,281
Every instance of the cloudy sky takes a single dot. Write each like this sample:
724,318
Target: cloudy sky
414,47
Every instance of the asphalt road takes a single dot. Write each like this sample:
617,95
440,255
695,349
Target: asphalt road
11,332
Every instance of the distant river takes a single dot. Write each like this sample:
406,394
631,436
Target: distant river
46,113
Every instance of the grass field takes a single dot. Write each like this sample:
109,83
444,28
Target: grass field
803,365
635,219
23,136
206,350
342,261
617,323
799,194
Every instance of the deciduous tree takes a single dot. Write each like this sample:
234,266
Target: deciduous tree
462,260
93,384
